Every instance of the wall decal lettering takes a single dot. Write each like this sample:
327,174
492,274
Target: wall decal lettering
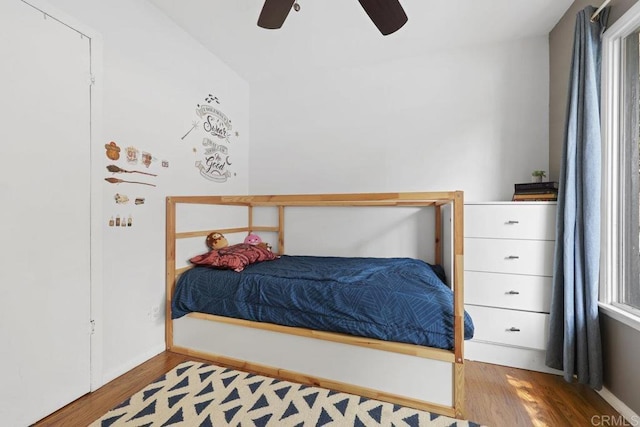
214,157
215,122
215,166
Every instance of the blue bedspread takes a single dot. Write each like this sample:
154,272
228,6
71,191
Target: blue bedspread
392,299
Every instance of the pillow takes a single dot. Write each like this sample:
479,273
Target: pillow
235,257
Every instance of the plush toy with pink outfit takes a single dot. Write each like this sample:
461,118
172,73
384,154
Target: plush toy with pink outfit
252,239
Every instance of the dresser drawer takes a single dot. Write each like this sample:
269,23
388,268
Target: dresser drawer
509,256
514,291
509,327
510,221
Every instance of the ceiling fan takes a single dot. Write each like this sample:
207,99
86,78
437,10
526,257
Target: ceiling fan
387,15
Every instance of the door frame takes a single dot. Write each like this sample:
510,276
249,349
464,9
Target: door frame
96,226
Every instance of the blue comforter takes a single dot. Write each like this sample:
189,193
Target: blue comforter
392,299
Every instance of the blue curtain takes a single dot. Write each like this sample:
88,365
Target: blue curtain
574,333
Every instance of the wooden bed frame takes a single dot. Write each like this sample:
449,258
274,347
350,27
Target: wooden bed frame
425,378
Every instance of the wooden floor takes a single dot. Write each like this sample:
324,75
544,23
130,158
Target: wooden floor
495,396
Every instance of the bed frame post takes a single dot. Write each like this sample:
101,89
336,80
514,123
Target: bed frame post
438,235
250,219
170,272
281,229
458,302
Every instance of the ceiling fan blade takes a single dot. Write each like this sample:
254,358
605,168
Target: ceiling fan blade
274,12
388,15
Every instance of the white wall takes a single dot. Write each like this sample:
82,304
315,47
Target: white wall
473,119
153,76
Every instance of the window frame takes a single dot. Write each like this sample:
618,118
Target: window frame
612,268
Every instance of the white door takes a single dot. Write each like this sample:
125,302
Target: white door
44,214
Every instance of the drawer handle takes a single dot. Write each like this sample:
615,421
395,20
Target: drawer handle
513,293
513,257
513,329
512,222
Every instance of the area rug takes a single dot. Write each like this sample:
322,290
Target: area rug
203,395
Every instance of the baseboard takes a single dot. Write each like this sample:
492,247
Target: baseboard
126,367
516,357
628,414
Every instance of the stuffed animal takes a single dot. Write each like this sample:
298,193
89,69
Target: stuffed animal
252,239
217,240
265,245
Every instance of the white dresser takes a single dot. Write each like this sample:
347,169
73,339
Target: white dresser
508,273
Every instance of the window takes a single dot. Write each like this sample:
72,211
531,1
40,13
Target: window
629,292
620,269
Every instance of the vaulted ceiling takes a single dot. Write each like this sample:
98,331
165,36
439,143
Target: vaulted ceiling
338,33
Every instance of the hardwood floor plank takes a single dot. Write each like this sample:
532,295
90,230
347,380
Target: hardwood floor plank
92,406
495,396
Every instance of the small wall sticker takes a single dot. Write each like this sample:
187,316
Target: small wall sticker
117,169
118,181
121,221
113,151
146,158
210,98
121,199
132,155
194,125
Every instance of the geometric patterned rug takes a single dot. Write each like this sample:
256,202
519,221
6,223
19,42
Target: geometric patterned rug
203,395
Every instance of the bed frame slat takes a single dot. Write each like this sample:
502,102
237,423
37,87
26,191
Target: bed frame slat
410,349
301,378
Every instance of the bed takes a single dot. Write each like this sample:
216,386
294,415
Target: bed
377,353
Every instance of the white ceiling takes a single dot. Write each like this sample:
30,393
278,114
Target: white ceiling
338,33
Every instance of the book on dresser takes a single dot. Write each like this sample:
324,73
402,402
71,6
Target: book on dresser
536,197
532,187
536,191
508,269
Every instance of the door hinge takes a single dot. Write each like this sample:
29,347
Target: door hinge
92,80
92,327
